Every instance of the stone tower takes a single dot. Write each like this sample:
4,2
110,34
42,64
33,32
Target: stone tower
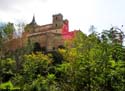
57,21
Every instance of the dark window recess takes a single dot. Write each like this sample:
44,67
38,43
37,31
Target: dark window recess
56,18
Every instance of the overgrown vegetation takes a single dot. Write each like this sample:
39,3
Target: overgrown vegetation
92,64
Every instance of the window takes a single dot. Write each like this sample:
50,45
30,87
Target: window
56,18
56,25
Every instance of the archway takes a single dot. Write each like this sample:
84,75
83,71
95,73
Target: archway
37,47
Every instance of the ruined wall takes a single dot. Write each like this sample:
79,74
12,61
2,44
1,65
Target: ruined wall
12,45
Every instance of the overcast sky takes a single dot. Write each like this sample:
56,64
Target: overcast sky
80,13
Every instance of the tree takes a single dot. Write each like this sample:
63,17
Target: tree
7,69
93,70
92,29
113,36
9,29
88,65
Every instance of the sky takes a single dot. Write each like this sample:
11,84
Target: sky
103,14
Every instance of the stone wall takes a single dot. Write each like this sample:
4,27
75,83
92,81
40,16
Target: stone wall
49,40
49,35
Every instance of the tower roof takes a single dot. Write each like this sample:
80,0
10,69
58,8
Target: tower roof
33,22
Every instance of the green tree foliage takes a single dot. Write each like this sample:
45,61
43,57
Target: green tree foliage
35,68
91,64
7,69
9,29
8,86
6,33
113,36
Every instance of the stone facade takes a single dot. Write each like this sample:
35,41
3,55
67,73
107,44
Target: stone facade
49,36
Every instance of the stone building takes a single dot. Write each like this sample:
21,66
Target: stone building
49,36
